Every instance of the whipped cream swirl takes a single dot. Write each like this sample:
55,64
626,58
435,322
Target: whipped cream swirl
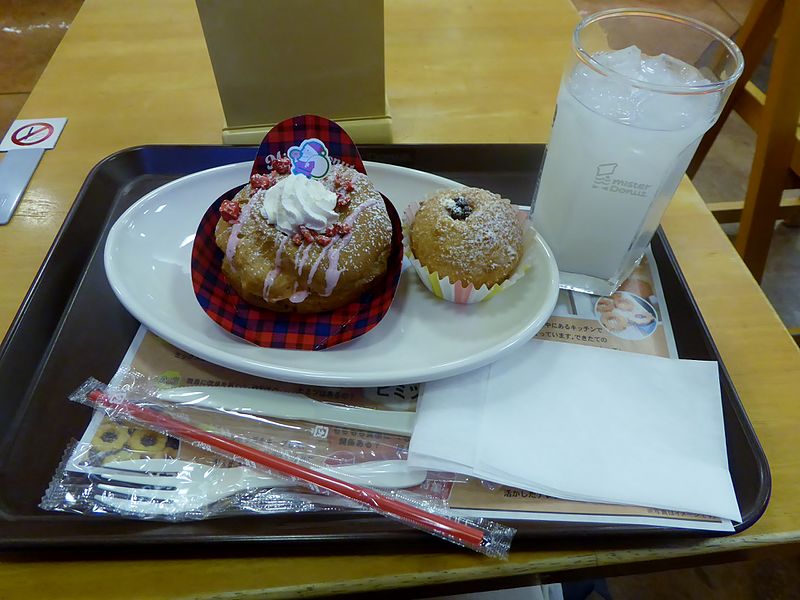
297,200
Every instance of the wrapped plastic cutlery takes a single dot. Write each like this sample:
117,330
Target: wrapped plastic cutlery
292,458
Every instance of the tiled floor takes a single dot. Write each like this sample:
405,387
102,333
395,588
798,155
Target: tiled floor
30,31
10,105
773,579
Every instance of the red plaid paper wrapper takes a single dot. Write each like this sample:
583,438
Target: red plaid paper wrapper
291,331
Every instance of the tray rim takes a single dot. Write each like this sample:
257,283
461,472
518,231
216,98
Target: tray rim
765,474
399,535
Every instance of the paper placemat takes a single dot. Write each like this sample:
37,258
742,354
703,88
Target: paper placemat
575,320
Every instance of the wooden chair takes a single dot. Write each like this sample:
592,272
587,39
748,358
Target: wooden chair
774,118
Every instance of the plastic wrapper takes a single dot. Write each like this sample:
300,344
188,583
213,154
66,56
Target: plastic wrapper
108,450
84,482
288,452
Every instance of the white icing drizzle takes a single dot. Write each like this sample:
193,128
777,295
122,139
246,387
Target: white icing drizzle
357,211
298,295
303,259
270,278
233,238
317,262
332,273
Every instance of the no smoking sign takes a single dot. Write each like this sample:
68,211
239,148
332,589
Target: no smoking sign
24,144
32,133
29,135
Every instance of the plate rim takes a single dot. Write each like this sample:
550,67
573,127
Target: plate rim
315,376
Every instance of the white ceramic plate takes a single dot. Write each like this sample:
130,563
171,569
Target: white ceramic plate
421,338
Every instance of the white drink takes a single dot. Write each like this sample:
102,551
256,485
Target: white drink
616,155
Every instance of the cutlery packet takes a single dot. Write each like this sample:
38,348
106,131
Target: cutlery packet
232,436
75,487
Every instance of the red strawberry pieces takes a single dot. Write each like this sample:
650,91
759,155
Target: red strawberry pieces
262,182
230,211
343,187
342,182
322,240
338,229
282,166
342,200
309,235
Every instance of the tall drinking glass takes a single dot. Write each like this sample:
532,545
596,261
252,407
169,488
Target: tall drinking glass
640,90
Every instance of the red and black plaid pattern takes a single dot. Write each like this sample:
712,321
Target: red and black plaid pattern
292,131
293,331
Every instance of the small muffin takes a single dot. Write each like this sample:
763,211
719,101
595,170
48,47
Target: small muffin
468,235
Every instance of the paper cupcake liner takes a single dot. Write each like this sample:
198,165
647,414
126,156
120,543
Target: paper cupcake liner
458,291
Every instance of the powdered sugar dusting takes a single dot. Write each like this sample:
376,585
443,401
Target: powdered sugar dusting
469,232
348,249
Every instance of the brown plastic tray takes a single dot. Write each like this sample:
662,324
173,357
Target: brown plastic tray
71,326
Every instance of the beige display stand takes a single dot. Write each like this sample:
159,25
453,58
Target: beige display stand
276,59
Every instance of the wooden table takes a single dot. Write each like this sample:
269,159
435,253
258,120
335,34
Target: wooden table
130,73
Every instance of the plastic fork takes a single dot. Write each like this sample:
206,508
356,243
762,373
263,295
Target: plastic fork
158,487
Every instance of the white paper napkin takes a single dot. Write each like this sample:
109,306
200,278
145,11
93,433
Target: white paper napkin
448,416
584,423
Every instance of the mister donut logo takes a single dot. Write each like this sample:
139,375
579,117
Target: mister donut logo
606,179
602,177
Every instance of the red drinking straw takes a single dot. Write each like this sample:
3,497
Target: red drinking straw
422,519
